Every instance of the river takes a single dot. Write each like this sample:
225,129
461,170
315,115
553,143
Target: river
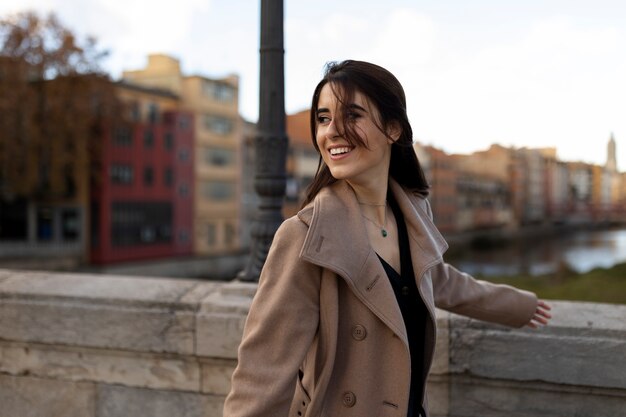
581,251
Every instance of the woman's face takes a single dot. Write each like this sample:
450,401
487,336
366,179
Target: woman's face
354,163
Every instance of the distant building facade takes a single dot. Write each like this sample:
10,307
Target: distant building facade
442,175
214,104
533,190
486,189
142,207
557,191
47,128
510,188
302,161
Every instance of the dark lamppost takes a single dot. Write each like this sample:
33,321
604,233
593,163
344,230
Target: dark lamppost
271,140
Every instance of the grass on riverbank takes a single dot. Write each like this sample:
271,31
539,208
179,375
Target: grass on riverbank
599,285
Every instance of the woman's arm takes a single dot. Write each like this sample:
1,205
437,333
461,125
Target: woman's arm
279,330
462,294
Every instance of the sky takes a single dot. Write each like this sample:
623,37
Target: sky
532,73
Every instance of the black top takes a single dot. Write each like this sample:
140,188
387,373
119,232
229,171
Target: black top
413,310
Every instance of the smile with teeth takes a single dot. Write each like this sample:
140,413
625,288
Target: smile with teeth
340,151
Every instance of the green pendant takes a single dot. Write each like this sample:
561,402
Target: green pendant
383,232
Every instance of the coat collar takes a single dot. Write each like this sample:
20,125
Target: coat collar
337,240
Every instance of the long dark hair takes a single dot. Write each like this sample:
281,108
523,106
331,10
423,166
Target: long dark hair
382,89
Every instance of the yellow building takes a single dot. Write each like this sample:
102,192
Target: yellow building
215,106
600,188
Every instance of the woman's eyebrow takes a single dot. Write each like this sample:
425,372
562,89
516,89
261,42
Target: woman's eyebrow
355,106
352,106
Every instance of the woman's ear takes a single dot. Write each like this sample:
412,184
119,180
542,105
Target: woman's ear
394,131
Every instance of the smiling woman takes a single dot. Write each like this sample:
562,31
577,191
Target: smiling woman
344,158
343,321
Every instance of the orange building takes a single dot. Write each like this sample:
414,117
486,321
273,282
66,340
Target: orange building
557,190
442,176
302,160
488,181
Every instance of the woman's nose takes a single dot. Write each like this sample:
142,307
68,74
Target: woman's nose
332,132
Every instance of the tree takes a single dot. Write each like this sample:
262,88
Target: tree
54,96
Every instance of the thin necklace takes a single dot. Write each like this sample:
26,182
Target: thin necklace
382,227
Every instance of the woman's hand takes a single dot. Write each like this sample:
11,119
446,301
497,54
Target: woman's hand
541,316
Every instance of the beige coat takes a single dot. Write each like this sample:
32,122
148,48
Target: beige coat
326,323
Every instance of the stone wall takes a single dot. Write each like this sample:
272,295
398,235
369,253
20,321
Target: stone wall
112,346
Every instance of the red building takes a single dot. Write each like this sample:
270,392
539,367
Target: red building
142,207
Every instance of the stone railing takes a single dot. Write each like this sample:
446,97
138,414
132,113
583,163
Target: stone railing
112,346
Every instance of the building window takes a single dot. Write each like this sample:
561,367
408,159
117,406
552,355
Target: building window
211,234
153,113
69,180
45,224
121,174
148,138
148,176
225,92
135,112
141,223
70,224
147,234
13,220
229,234
183,190
183,122
183,154
219,157
123,136
219,91
183,236
218,190
168,141
218,124
168,176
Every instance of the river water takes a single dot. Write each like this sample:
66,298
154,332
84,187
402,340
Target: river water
581,251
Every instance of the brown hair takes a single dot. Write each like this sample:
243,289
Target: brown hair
383,90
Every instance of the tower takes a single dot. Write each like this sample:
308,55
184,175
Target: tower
611,161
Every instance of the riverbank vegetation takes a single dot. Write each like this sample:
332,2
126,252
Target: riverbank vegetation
598,285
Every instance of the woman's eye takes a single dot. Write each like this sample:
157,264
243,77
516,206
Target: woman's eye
353,115
323,119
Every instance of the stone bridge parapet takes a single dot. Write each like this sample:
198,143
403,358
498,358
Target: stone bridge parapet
77,345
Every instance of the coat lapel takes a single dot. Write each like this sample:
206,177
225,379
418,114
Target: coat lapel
427,243
337,240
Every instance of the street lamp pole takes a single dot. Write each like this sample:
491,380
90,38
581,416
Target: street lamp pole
271,140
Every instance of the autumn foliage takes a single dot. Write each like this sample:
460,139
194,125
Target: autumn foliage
54,100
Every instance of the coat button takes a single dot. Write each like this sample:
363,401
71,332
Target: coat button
405,290
349,399
358,332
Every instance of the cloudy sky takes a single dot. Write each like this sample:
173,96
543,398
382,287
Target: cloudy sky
523,73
